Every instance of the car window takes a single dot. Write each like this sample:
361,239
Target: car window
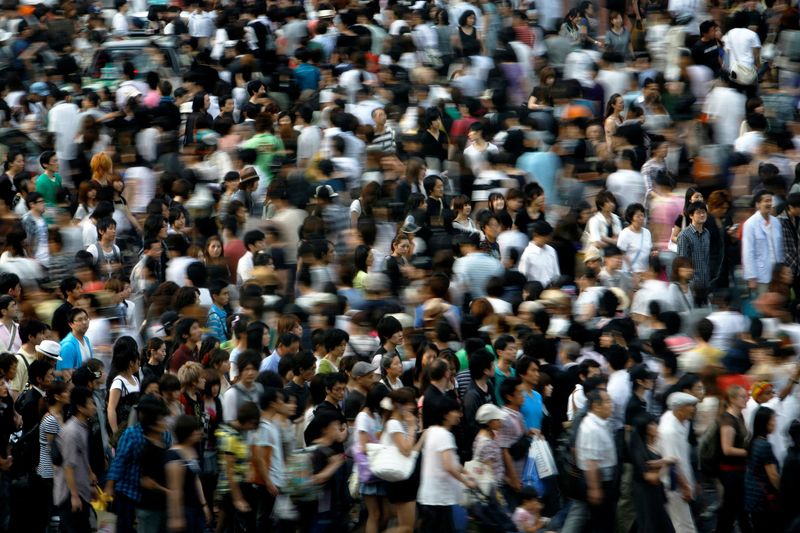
108,62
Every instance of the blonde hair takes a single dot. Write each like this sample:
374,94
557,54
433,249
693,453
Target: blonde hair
101,166
190,373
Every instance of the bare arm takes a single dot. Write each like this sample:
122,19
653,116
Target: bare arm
757,57
175,475
773,475
236,492
726,435
594,487
111,410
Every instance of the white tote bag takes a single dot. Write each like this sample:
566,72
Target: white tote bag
388,464
540,453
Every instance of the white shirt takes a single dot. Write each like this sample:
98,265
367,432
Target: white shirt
725,107
119,24
595,442
619,389
176,269
509,239
673,441
628,187
762,247
244,270
476,159
437,486
540,264
749,143
727,324
651,290
308,142
63,121
576,402
739,44
597,228
636,247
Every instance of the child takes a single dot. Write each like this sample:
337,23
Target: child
527,517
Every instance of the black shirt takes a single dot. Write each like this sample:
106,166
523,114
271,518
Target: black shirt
153,467
707,53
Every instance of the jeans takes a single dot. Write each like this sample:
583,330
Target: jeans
151,521
42,489
125,509
74,522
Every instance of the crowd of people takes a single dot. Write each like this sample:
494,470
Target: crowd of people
410,266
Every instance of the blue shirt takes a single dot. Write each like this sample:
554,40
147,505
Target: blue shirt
532,410
270,364
71,352
542,167
125,468
216,323
307,77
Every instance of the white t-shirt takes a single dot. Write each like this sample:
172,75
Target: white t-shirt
636,247
269,435
739,44
437,486
392,426
369,424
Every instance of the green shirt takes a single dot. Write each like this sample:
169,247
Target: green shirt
48,188
268,146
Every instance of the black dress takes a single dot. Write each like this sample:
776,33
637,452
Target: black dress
649,499
470,46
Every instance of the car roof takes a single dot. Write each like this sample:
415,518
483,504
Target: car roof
161,42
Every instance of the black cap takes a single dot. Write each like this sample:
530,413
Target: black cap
641,372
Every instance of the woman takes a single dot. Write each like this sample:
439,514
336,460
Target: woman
123,385
762,478
424,355
445,39
153,355
102,167
733,436
614,119
400,429
618,37
288,134
362,206
635,241
87,200
434,140
14,165
469,39
680,292
122,214
363,259
781,280
438,215
199,118
49,428
496,203
411,184
187,508
648,491
462,209
790,479
572,28
398,262
604,227
218,362
692,195
442,476
485,448
212,404
391,370
368,427
214,258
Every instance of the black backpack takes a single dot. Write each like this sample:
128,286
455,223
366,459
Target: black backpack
25,451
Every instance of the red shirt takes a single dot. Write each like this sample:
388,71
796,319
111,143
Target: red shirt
181,356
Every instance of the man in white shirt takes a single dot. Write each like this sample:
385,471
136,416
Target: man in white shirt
63,121
119,24
539,261
627,185
762,243
596,456
742,50
750,142
477,152
727,322
673,443
255,241
725,108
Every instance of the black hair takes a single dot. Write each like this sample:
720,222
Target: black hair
334,337
79,396
479,363
508,387
248,358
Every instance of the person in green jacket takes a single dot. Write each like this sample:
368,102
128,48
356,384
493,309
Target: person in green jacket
49,182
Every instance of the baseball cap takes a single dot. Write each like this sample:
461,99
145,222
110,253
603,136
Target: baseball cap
325,191
40,88
168,319
362,369
488,412
641,371
50,349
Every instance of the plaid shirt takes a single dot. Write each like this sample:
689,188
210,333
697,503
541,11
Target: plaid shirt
791,232
125,468
696,246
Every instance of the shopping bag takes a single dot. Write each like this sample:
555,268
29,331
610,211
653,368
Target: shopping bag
542,457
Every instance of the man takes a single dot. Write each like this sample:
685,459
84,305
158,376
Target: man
74,483
480,391
652,167
477,152
762,244
31,332
217,315
288,343
75,347
255,241
643,380
743,47
72,290
728,322
588,368
790,222
475,268
673,442
63,122
310,138
506,349
539,261
303,367
384,140
49,182
619,388
106,254
596,455
627,185
441,380
703,355
286,216
513,439
36,229
335,388
706,50
363,378
694,243
30,404
390,333
532,408
119,23
246,389
123,479
189,333
612,274
750,141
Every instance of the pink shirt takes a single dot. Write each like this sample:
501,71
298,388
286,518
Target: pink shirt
663,212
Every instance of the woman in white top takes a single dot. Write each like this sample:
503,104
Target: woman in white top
635,241
391,369
123,388
363,204
368,428
442,474
604,227
400,429
462,208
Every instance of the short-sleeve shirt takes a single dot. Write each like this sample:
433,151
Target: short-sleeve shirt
190,497
512,430
231,442
153,457
48,426
756,483
488,452
739,437
369,424
268,435
437,486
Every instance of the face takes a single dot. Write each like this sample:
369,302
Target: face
492,229
52,165
765,204
606,407
617,20
224,297
403,248
90,409
379,116
152,388
195,333
249,374
396,368
696,197
740,400
161,353
397,338
771,424
514,204
367,381
699,217
18,163
531,377
609,206
337,392
698,391
686,272
438,189
81,324
452,418
111,232
518,397
428,357
638,219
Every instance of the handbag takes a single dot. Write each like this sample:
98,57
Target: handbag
519,450
741,74
388,463
482,474
541,456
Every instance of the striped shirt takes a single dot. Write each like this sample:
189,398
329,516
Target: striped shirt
48,426
696,245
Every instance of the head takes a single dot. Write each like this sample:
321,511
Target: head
78,320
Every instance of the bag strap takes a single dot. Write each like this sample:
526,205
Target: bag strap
639,251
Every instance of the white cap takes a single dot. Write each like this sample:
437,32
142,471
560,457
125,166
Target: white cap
488,412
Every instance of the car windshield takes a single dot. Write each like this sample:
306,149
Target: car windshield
109,62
